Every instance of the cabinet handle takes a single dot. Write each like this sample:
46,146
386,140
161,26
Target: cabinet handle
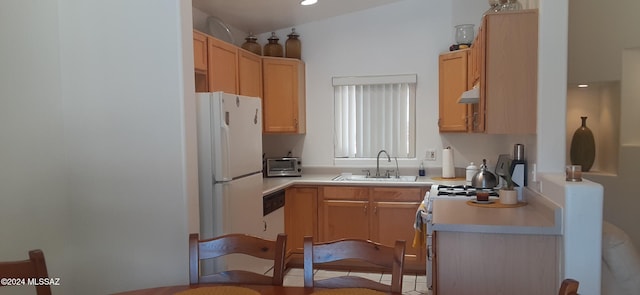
365,209
375,210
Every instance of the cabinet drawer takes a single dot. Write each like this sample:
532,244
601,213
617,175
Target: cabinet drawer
396,194
345,193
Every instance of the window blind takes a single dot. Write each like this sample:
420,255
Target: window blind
373,114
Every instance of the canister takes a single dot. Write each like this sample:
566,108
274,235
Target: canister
518,152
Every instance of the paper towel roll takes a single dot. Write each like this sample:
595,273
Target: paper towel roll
448,171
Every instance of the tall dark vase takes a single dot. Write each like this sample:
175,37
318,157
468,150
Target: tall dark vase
583,147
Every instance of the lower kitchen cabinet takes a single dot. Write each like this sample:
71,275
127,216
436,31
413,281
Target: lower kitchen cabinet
380,214
300,216
486,263
343,213
394,212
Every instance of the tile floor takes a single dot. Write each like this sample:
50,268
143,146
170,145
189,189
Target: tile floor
411,284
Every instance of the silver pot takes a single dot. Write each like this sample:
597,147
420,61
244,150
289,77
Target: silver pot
484,178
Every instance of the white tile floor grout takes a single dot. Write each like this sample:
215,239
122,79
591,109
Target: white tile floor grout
411,284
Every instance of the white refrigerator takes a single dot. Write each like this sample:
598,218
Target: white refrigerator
230,169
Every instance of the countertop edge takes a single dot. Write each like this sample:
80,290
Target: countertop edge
272,184
539,208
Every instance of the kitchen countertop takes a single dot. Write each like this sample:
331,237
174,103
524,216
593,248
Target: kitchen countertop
539,216
272,184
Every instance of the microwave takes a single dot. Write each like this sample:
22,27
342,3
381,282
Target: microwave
286,166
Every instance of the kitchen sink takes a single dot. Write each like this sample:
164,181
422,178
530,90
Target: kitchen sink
355,177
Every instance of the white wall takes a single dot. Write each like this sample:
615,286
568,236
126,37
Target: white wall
630,97
34,202
94,164
399,38
600,31
620,200
124,134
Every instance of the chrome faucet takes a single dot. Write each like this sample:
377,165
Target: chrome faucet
378,162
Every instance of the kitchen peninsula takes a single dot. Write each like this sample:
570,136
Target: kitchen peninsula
496,250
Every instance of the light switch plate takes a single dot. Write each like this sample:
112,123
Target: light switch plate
430,155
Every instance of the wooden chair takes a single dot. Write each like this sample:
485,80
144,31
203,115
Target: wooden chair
33,268
237,243
569,287
389,258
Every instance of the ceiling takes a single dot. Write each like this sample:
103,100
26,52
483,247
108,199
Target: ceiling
260,16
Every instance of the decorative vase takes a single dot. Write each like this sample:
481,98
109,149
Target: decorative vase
583,147
293,45
251,44
273,48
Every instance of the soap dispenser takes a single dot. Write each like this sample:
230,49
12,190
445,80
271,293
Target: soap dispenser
421,171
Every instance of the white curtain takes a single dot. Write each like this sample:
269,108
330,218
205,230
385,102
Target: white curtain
373,114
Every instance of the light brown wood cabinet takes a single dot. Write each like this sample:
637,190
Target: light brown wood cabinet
222,66
280,82
381,214
199,51
495,263
453,68
301,216
503,62
200,61
249,73
283,95
508,73
343,212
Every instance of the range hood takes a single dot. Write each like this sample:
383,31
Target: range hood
470,96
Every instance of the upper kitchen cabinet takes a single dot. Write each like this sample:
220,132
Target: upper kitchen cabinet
453,71
222,66
200,61
249,73
283,95
508,65
503,64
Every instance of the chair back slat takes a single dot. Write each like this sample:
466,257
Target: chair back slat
237,244
388,258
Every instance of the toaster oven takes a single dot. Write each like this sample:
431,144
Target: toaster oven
286,166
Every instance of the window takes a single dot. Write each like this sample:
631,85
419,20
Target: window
374,113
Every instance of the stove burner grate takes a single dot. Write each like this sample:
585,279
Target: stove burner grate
463,190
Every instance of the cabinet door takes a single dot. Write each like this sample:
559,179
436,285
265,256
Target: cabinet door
300,216
393,214
200,61
283,95
478,109
526,264
199,51
222,66
452,83
343,212
249,73
511,69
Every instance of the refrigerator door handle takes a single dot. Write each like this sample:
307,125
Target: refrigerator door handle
226,167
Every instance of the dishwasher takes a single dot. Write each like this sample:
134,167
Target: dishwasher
273,214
